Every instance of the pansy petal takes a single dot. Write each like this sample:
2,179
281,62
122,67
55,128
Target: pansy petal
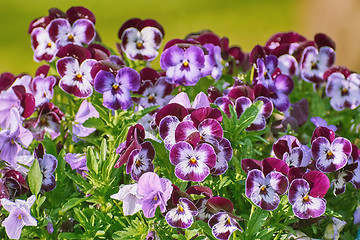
128,78
171,57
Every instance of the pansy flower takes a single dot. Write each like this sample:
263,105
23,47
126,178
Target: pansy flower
140,160
116,89
183,67
48,164
75,77
86,111
43,89
77,162
192,164
82,31
224,154
15,184
330,153
343,91
315,62
182,216
130,198
222,225
154,191
292,151
213,66
44,48
140,40
19,216
266,181
306,194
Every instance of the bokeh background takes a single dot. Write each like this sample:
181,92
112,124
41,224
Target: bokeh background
246,23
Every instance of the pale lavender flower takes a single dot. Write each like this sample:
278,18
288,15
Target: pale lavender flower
48,164
19,216
130,198
86,111
77,162
155,191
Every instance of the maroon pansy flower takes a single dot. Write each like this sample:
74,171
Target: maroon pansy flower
140,160
182,216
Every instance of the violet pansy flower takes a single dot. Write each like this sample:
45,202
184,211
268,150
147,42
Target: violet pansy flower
155,191
319,122
75,77
140,160
48,164
82,31
344,92
77,162
86,111
130,198
222,225
192,164
19,216
116,89
314,63
306,194
182,216
183,67
213,64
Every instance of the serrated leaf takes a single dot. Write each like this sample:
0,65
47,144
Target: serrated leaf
35,178
256,221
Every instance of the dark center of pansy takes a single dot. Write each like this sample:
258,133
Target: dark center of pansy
19,217
71,38
344,92
180,208
185,63
139,45
138,163
228,222
12,141
49,45
306,198
151,99
43,122
115,86
78,77
314,66
192,161
263,190
329,155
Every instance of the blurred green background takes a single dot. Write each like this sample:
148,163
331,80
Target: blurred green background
245,23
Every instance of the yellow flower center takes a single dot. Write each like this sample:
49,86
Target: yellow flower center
306,198
115,86
314,66
138,163
155,198
329,155
139,45
192,161
71,38
344,92
49,44
228,223
151,98
78,77
12,141
263,190
19,217
180,208
185,63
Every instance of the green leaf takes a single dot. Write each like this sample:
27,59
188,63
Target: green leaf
247,149
80,181
256,221
93,122
70,204
35,178
49,145
81,218
91,161
207,230
249,115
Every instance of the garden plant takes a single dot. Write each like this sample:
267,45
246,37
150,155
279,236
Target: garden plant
213,143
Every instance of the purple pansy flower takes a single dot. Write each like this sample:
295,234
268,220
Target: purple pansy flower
213,64
182,216
183,67
19,216
223,156
306,194
222,225
292,151
77,162
266,181
140,160
130,198
82,31
44,48
330,154
155,191
86,111
314,63
48,164
10,142
75,78
116,89
192,164
344,92
43,89
319,122
288,65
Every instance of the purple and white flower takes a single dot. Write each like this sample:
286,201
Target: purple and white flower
306,195
44,48
116,89
314,63
183,67
48,164
222,225
192,164
75,77
182,216
140,160
19,216
43,89
344,92
82,31
213,64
